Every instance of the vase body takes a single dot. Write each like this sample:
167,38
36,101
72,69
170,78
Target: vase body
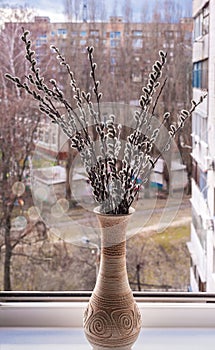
112,319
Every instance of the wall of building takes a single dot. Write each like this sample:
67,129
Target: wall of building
202,245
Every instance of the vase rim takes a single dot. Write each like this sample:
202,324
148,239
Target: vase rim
97,211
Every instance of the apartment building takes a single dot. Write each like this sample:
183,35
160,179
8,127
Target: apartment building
202,243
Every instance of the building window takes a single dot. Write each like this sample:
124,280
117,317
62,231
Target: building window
198,225
169,34
113,60
204,130
195,172
205,74
82,42
114,43
205,20
41,40
201,23
197,75
200,127
115,35
136,77
200,178
137,43
94,33
83,33
61,31
198,26
137,33
200,74
203,183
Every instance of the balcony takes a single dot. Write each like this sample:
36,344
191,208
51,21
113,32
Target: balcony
202,108
197,253
198,201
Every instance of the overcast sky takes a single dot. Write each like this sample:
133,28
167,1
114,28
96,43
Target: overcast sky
55,8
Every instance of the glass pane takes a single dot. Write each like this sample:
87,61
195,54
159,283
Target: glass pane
49,235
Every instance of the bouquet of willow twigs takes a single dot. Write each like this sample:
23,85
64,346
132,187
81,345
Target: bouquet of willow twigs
115,184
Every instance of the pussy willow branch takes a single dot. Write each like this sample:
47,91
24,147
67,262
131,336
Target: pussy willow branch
146,98
115,189
93,65
194,105
77,97
40,85
150,89
46,105
98,122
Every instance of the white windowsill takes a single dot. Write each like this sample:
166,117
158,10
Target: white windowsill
74,339
58,325
70,314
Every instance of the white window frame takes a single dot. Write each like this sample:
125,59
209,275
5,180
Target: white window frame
62,310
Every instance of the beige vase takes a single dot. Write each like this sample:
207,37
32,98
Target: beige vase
112,319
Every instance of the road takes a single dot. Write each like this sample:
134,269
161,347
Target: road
150,215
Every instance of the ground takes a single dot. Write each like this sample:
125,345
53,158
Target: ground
160,260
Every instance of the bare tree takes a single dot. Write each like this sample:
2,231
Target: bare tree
73,9
127,11
151,260
145,11
172,11
19,123
175,36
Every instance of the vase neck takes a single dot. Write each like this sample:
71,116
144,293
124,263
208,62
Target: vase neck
113,229
112,279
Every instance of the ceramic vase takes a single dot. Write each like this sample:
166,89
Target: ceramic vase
112,319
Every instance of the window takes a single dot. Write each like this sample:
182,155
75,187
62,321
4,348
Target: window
58,260
204,129
137,32
62,31
169,34
136,77
113,60
200,178
200,74
203,183
83,33
201,23
205,20
113,43
41,40
200,127
137,43
115,35
198,26
82,42
198,225
94,33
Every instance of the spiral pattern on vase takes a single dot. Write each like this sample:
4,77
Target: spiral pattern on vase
99,324
138,320
124,320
